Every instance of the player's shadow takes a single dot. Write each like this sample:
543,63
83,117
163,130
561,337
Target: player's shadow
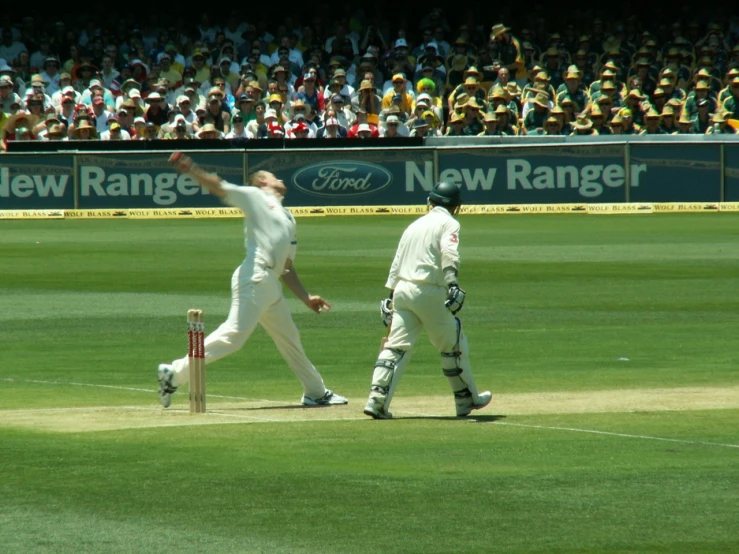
475,418
284,407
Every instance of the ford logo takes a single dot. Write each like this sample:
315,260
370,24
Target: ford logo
339,178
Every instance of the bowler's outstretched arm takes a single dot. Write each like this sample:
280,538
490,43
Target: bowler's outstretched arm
209,181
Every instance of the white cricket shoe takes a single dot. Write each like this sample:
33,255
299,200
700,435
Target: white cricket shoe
166,388
466,405
328,399
376,409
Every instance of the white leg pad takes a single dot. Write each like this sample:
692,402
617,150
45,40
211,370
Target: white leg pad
387,374
458,370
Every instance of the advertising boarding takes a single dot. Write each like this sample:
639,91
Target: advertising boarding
342,181
731,163
349,177
37,182
536,175
118,181
677,172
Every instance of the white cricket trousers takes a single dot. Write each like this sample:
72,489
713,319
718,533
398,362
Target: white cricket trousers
417,307
258,303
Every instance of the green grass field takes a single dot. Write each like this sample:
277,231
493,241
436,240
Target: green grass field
610,343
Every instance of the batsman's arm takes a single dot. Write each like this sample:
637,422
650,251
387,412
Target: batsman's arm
291,279
392,278
209,181
449,248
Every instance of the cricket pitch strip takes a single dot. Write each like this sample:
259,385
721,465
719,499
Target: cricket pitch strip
110,418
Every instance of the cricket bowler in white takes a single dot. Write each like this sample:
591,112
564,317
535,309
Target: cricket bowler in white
257,298
425,294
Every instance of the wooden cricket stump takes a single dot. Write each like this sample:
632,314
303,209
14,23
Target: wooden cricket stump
196,360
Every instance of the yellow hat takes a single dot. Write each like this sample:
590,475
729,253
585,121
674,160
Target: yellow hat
498,30
473,103
582,123
499,92
542,100
668,72
566,101
512,89
702,73
56,130
83,124
461,100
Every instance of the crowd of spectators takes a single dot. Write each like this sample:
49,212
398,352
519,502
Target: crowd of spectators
357,79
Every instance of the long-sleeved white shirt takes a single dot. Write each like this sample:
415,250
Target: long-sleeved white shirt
428,245
269,231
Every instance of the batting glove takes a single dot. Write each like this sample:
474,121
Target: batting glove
386,311
455,298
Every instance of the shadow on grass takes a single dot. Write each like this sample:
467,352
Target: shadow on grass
475,418
285,407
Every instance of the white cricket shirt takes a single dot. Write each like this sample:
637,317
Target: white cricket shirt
428,245
269,231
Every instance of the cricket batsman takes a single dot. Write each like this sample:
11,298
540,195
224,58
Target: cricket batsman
425,294
256,291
